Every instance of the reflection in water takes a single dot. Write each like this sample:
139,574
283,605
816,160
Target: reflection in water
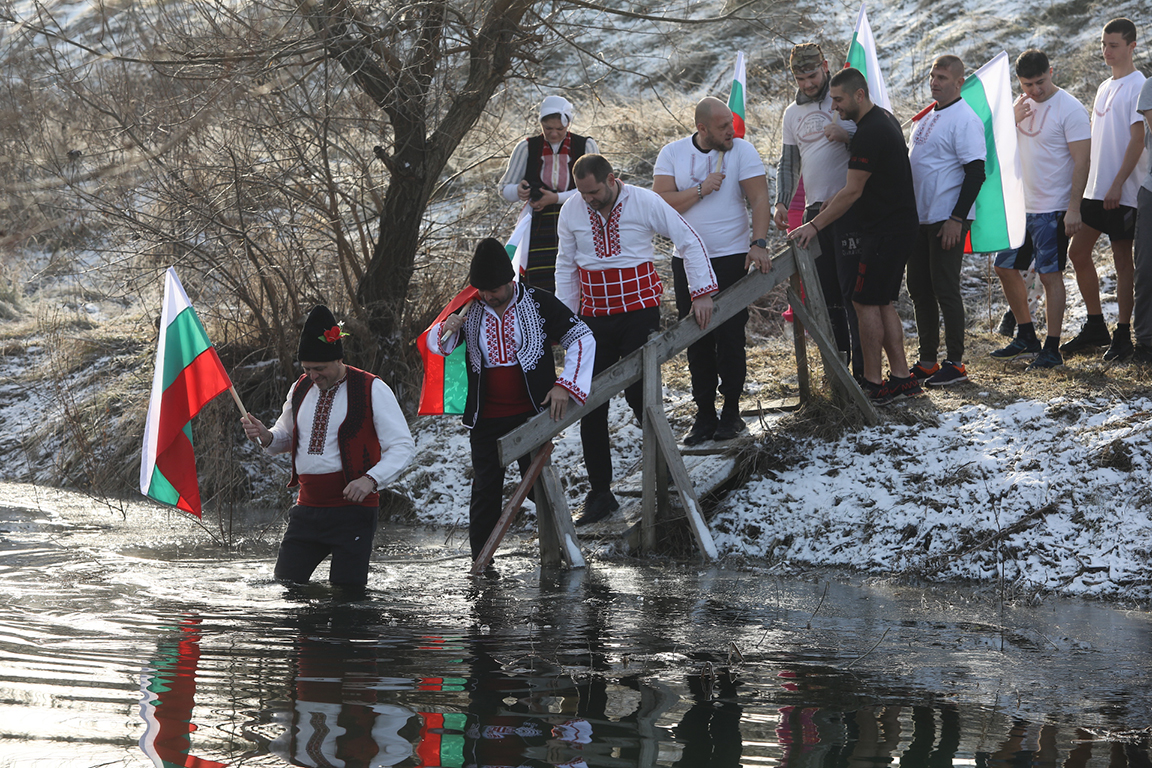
115,654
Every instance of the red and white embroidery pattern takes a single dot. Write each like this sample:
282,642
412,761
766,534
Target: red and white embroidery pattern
606,235
500,336
320,419
612,291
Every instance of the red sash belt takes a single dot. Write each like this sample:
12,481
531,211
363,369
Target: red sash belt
613,291
327,490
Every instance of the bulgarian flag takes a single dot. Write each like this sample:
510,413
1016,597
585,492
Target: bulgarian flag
736,95
188,375
999,213
862,56
445,385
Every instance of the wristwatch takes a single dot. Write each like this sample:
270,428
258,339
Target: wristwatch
761,242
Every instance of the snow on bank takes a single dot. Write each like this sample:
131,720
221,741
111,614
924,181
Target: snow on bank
968,498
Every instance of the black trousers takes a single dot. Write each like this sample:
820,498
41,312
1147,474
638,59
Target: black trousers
488,476
718,361
616,337
315,532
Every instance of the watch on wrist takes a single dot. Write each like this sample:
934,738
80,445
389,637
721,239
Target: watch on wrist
760,242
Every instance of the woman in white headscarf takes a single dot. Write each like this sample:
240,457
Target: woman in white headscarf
540,175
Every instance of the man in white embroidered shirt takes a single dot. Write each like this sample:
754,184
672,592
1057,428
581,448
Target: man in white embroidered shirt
508,335
347,437
604,273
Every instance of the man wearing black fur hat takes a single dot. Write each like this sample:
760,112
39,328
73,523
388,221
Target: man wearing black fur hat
348,438
509,331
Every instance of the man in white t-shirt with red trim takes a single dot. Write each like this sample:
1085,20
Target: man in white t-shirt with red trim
710,193
606,275
1054,139
1109,206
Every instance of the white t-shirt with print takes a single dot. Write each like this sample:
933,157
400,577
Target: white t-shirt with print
1113,114
942,143
1043,139
823,163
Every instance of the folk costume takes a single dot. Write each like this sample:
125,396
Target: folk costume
510,371
605,272
545,166
353,429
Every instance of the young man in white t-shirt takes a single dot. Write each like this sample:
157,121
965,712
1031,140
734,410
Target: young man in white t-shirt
815,149
1054,139
1109,206
1142,255
947,151
711,178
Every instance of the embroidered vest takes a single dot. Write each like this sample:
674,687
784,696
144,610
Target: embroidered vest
536,153
359,444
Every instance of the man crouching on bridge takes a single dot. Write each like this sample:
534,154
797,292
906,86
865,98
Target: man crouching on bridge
508,335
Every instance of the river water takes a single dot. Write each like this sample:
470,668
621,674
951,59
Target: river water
127,638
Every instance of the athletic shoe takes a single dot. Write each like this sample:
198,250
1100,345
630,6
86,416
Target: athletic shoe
1016,348
895,388
1120,349
1046,359
879,394
702,429
1008,324
1141,355
922,371
597,506
949,373
1091,337
731,425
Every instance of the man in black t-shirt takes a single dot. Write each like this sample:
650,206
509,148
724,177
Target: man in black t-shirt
880,187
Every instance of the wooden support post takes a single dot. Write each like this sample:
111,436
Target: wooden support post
818,313
650,450
552,506
838,372
667,443
798,340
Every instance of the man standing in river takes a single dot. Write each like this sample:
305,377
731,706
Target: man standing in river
348,438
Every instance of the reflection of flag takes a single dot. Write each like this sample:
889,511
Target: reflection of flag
736,96
445,385
188,375
862,56
999,214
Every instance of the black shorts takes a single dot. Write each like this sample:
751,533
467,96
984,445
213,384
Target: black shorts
881,257
1118,223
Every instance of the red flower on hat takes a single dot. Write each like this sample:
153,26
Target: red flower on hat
334,334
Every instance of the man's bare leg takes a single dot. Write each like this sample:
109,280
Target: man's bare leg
894,341
1080,254
1016,292
872,333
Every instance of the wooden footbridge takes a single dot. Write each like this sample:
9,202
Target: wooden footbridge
559,543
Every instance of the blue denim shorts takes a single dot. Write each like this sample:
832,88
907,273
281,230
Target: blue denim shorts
1044,241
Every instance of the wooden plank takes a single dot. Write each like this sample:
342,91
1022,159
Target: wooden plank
683,483
798,342
837,369
540,428
653,395
559,516
819,317
504,522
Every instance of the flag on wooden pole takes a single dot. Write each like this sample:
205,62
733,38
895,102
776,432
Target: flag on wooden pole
862,56
736,96
999,211
445,386
188,375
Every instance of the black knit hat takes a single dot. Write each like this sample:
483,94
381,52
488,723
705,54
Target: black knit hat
491,267
320,340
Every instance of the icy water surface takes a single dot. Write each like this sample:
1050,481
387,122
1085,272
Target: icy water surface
127,641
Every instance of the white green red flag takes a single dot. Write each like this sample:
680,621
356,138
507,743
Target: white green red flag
736,96
862,56
445,386
188,375
999,213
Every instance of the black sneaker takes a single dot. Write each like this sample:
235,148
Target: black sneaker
879,394
597,506
731,425
702,429
1090,338
923,371
949,373
1046,359
1016,348
895,388
1008,325
1120,349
